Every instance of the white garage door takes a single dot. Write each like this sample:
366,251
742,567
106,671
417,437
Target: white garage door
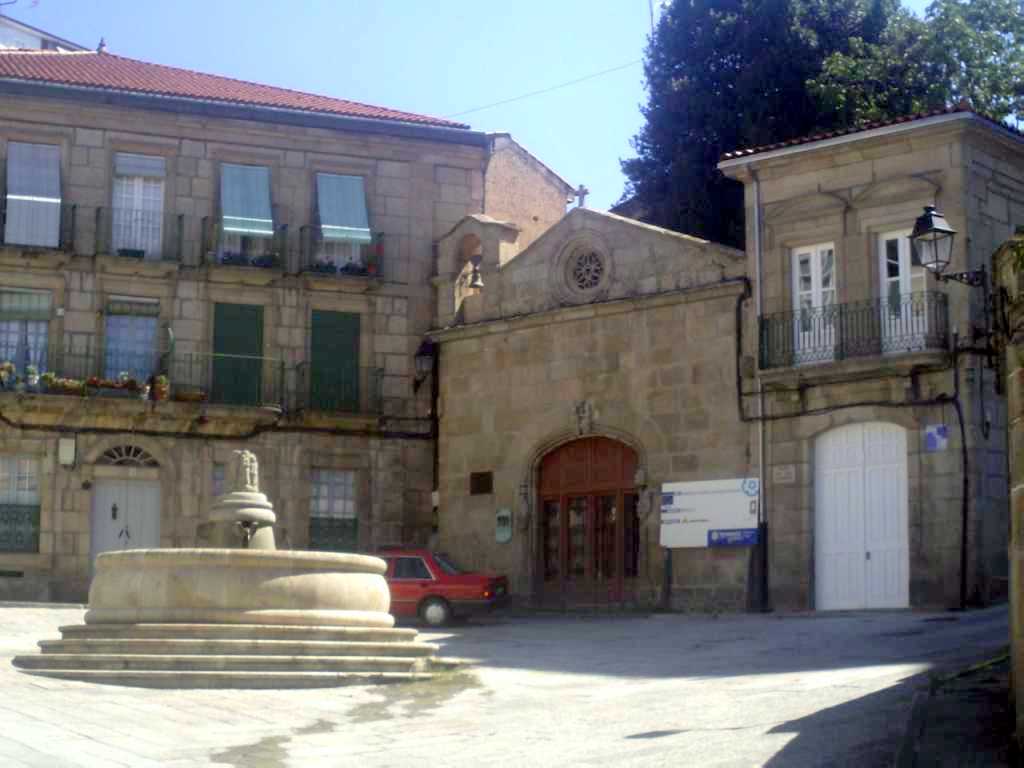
860,537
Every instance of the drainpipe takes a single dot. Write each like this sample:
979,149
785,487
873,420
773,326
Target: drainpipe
762,523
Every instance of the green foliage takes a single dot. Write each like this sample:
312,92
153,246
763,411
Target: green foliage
726,74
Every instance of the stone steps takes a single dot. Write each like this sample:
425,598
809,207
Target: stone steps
296,632
234,679
233,655
165,646
195,663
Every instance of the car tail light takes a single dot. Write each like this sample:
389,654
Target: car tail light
487,593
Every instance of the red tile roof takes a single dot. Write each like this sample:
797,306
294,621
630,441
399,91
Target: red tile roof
117,73
961,107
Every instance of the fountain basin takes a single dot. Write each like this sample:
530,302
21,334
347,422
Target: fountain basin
239,586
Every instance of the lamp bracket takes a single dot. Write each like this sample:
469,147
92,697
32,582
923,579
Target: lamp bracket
974,277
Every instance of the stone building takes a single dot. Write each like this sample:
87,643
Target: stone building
580,373
260,260
870,499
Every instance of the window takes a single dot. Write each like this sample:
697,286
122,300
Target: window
138,205
344,225
814,303
19,504
446,565
33,195
131,338
411,568
24,325
906,307
246,217
333,522
334,362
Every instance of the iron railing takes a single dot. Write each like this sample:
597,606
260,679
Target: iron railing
338,389
51,226
336,257
236,250
137,234
19,528
224,379
914,322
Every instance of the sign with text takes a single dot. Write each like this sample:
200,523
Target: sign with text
691,511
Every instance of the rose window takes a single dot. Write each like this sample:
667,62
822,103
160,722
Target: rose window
586,270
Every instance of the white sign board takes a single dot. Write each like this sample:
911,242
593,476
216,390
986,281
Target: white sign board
709,513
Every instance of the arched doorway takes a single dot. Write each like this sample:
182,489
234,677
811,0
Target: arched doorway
125,501
589,548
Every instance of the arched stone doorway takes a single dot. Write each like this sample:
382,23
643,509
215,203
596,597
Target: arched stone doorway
589,528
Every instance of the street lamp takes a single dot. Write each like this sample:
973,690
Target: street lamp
931,244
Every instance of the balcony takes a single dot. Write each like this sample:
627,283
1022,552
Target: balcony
323,256
346,390
79,367
222,379
38,225
267,250
141,235
915,322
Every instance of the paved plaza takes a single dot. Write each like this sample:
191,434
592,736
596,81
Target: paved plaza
746,690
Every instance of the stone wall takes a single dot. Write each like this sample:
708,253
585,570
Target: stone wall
648,359
387,470
521,189
417,189
848,194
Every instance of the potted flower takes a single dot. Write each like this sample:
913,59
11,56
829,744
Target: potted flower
161,387
7,375
49,381
31,377
324,267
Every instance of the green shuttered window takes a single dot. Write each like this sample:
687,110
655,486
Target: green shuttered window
334,379
237,358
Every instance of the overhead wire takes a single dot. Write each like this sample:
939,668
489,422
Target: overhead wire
566,84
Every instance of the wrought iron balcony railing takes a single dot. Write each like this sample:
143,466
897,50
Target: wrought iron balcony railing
336,257
38,224
223,379
267,250
138,234
338,389
914,322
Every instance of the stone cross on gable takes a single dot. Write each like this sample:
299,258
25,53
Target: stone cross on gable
581,196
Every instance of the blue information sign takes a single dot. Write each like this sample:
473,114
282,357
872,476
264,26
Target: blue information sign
732,537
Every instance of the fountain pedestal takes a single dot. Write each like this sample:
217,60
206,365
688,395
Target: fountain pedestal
238,613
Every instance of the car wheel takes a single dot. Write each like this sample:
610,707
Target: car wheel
435,612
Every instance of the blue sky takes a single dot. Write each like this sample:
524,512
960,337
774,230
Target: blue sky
437,57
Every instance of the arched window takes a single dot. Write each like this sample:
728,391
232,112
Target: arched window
128,456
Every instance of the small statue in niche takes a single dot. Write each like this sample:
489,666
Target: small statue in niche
247,472
584,411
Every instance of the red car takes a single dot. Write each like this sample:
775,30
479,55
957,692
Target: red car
427,584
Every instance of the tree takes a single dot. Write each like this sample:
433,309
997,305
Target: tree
963,49
726,74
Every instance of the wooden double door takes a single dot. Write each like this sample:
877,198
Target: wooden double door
589,549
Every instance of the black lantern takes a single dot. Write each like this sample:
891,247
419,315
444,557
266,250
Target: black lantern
931,242
424,362
475,281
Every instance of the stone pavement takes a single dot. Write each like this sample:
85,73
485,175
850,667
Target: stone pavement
745,690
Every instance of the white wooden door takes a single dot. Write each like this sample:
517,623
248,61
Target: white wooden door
814,303
861,552
903,306
125,515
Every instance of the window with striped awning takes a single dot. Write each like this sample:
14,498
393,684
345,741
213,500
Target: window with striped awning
33,195
245,200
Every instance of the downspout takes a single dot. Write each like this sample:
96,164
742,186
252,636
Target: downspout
762,523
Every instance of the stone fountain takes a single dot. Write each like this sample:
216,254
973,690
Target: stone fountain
235,613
